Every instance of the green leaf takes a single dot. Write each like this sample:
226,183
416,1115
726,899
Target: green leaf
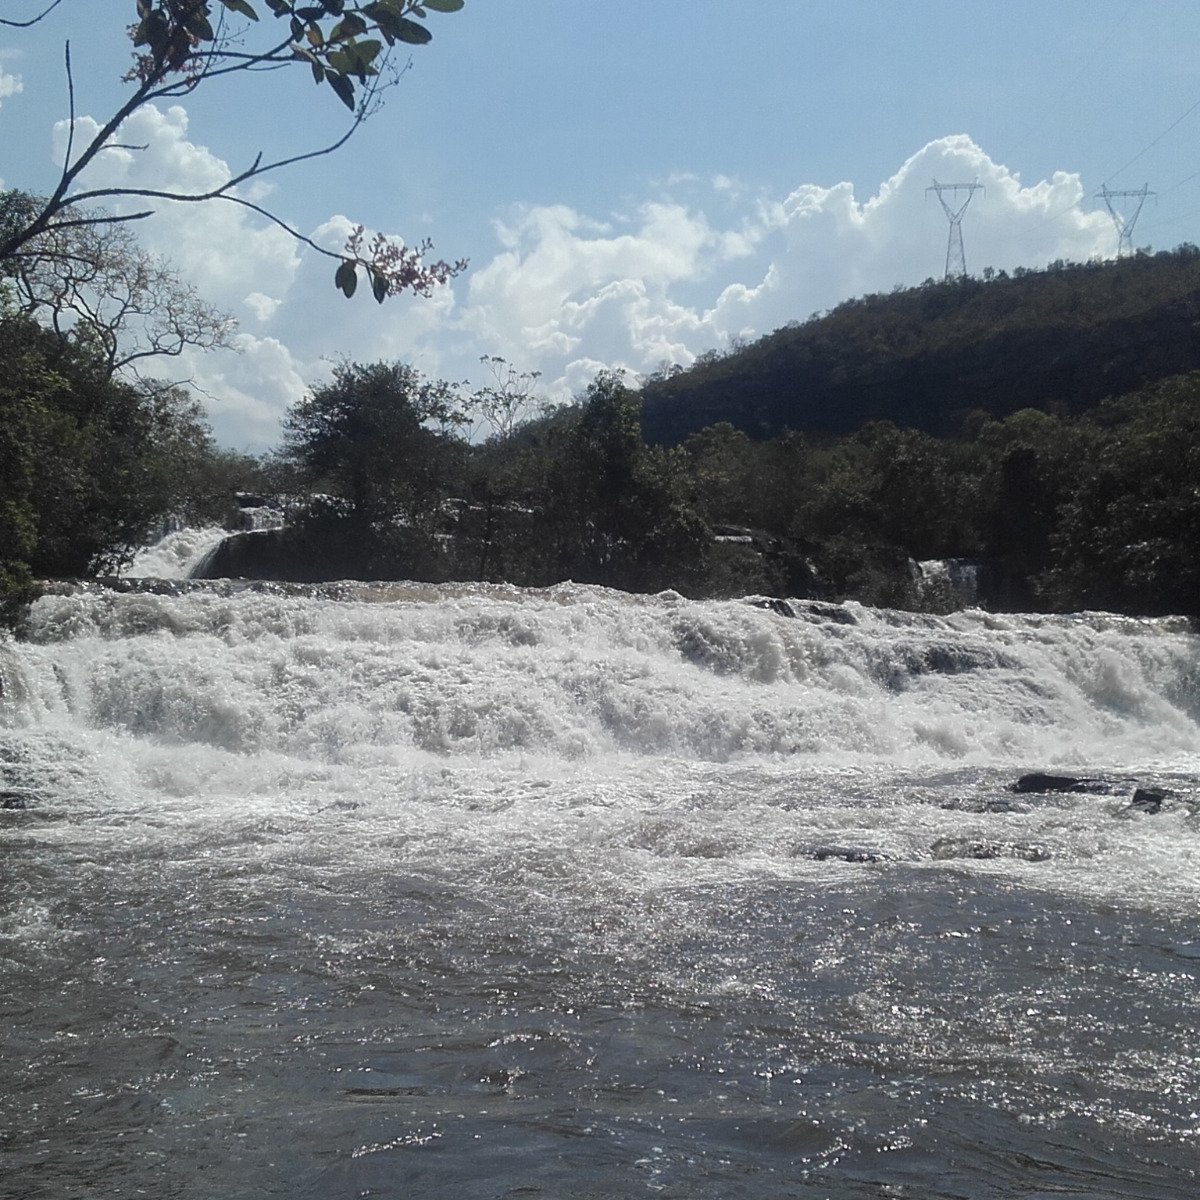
411,32
346,278
364,53
240,6
443,6
351,25
344,88
379,286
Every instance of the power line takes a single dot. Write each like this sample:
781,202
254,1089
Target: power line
1150,146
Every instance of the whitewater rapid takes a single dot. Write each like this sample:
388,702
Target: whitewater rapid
425,890
726,720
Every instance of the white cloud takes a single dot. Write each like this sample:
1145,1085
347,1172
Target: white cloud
262,307
225,250
568,292
10,85
668,282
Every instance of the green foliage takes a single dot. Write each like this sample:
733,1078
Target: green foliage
87,464
379,437
615,510
1058,340
333,37
1129,534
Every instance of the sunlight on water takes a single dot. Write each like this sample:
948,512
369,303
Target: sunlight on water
409,890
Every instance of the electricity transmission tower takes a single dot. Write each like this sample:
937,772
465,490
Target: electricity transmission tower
956,260
1125,215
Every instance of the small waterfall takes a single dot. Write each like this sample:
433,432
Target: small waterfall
175,555
958,577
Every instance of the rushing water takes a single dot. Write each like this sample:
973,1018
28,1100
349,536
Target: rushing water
177,554
418,891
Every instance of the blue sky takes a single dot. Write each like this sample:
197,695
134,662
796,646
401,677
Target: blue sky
635,183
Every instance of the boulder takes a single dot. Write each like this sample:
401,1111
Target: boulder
848,854
13,801
991,804
1036,781
775,605
1148,800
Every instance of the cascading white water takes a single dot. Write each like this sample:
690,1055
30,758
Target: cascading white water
176,554
299,698
527,869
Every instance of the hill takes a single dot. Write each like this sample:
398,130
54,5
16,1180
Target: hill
1059,340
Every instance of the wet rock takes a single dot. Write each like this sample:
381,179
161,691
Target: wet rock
832,612
848,854
978,848
1148,800
13,801
782,607
1036,781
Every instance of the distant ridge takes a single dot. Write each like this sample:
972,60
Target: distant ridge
1059,339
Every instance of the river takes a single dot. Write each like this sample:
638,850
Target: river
467,891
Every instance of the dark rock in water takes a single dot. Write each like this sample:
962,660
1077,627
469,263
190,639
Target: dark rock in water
13,800
1038,782
1148,800
848,854
782,607
952,847
834,612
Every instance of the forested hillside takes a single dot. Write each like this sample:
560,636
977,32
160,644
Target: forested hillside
1059,340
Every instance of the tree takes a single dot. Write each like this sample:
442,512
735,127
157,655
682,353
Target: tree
367,436
500,406
614,510
87,463
95,286
1128,538
181,46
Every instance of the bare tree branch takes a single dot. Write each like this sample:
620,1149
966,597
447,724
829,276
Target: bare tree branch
98,288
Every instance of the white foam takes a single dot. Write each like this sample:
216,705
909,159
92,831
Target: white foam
580,738
176,554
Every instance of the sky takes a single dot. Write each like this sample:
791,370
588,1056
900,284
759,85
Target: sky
634,183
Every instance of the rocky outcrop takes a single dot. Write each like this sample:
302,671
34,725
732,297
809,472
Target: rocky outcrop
850,854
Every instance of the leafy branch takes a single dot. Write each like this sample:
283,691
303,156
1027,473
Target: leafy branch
182,45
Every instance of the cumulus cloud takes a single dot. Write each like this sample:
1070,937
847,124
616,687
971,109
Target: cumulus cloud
563,292
10,85
225,250
699,262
